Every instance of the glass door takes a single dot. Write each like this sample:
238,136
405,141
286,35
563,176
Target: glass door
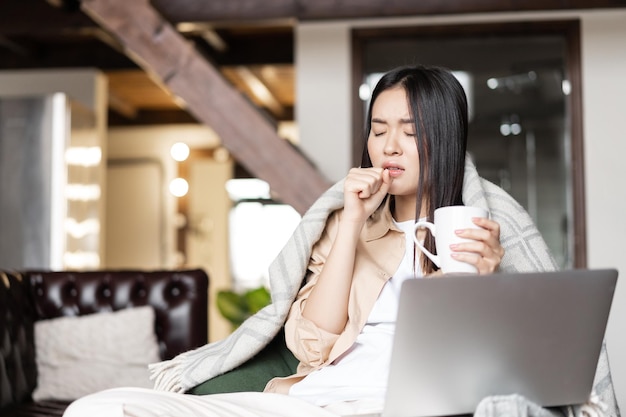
519,87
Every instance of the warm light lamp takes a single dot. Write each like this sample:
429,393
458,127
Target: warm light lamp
179,187
179,151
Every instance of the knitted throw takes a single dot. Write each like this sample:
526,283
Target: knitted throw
525,251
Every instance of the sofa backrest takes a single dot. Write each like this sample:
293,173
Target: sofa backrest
179,298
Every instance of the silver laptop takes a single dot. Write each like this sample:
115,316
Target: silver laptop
459,339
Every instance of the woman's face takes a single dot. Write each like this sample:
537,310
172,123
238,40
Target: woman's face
391,142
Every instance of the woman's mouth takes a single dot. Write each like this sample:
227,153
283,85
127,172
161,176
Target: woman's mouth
394,171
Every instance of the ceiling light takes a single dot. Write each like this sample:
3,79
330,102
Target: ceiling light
366,89
516,128
364,92
179,187
83,155
510,125
493,83
513,82
179,151
566,86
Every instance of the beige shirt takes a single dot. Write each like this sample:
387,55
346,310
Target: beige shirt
380,250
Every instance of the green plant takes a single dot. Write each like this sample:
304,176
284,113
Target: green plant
238,306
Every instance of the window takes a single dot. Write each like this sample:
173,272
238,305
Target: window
259,227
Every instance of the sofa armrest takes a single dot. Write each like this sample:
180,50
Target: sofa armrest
18,370
179,298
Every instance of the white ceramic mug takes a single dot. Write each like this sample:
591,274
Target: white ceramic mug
447,220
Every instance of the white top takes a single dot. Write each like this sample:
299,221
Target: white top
361,372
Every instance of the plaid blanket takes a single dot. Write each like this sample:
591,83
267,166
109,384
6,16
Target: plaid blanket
525,251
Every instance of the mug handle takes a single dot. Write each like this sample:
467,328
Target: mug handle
430,226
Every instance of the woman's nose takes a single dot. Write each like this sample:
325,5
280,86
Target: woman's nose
392,145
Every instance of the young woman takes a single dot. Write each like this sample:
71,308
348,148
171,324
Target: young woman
335,285
341,324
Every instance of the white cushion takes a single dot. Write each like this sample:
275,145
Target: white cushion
81,355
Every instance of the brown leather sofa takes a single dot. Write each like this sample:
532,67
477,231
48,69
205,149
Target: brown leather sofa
179,298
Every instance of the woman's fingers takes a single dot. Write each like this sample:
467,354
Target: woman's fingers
484,264
364,182
364,190
368,182
484,249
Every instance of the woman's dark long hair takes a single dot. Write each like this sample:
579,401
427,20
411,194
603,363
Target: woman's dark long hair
438,106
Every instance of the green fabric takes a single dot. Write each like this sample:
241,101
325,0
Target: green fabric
274,360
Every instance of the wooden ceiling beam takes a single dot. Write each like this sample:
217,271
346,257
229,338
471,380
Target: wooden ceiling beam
249,136
225,10
254,10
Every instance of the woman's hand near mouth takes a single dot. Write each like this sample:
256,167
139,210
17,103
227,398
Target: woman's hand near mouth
364,190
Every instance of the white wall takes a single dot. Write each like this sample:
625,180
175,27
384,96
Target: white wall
323,88
323,60
604,89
